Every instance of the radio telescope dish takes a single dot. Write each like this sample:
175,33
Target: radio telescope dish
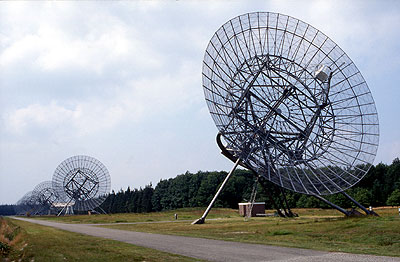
24,205
83,181
44,197
290,104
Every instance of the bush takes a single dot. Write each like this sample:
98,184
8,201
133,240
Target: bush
394,198
4,249
362,196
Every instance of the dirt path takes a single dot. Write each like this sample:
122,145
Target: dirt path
212,250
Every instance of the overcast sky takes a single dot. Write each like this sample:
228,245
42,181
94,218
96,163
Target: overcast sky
121,82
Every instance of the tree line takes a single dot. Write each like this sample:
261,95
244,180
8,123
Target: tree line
379,187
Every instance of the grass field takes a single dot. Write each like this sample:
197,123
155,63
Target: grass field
40,243
317,229
183,214
314,229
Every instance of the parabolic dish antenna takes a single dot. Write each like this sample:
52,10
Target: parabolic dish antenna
24,205
44,197
290,104
83,181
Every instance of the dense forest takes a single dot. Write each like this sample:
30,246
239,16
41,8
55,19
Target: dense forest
381,186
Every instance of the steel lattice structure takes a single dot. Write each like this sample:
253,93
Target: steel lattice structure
44,197
290,103
83,180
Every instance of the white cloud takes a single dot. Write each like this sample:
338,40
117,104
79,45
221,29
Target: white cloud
150,83
37,114
59,120
60,40
160,96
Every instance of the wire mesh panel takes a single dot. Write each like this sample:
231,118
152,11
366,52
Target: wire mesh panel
44,196
23,206
290,103
83,180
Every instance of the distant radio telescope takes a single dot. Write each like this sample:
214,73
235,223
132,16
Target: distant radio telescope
83,181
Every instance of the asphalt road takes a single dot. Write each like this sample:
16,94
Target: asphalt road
212,250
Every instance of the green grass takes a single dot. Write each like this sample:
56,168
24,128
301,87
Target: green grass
314,229
183,214
321,229
50,244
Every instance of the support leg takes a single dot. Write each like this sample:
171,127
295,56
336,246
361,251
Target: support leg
333,205
359,205
252,200
271,198
64,208
202,219
290,213
281,204
105,213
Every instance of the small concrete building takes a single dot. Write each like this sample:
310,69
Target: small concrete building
258,208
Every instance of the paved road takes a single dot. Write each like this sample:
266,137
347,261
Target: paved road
212,250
